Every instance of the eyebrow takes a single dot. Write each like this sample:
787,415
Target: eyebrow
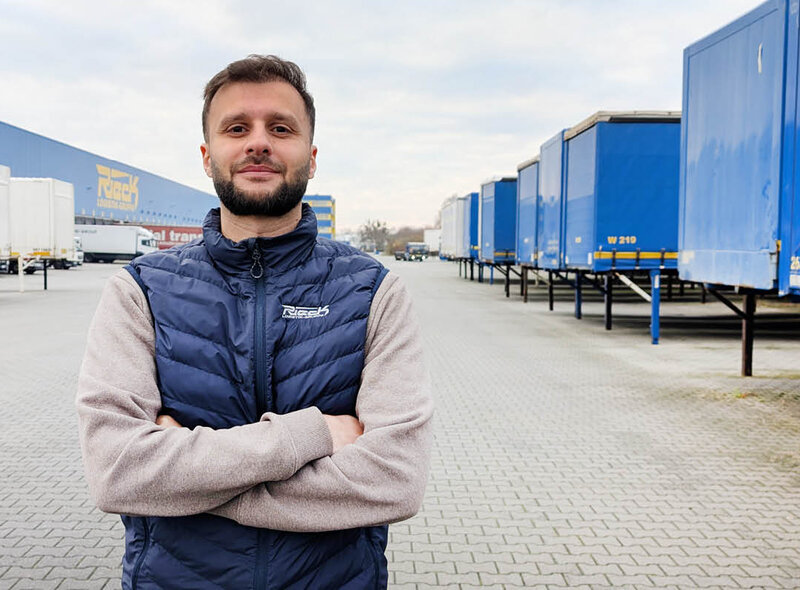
273,117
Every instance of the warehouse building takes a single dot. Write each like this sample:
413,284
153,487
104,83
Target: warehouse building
106,191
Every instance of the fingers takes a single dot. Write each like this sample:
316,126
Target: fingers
167,421
344,430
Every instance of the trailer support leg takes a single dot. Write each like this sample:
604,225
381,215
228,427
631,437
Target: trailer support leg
480,272
578,296
655,305
45,275
703,293
508,281
471,270
608,297
20,273
525,284
550,288
748,322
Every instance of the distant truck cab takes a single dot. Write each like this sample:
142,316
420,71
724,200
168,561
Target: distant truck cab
416,251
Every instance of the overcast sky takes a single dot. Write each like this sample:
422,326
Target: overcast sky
416,100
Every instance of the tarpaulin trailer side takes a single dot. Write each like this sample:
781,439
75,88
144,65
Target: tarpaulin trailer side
739,210
498,213
550,213
527,204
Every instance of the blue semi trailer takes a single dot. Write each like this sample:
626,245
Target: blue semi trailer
497,228
621,202
527,207
739,205
740,215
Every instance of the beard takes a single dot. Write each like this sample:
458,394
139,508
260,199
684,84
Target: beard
275,203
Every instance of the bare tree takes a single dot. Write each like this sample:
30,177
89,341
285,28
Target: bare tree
373,235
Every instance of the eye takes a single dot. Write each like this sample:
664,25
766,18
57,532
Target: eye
281,129
237,129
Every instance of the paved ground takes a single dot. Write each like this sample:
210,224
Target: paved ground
565,456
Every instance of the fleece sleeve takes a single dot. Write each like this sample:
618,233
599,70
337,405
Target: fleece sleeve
134,466
381,477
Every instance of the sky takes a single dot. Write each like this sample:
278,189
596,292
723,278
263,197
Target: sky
416,100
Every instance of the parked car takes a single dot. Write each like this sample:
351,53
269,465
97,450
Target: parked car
10,266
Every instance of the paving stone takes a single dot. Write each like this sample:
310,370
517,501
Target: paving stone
428,579
457,580
33,584
712,581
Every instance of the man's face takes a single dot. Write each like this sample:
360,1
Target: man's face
258,151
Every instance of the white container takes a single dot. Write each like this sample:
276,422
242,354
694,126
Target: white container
5,227
107,243
433,239
461,227
42,218
448,221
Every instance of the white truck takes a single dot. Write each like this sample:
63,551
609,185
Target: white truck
107,243
40,215
5,217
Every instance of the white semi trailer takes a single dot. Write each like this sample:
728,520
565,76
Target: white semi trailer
41,222
107,243
433,239
5,217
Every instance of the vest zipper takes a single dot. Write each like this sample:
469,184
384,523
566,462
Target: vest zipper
263,397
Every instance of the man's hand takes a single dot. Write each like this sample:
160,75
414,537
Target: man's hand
344,430
168,421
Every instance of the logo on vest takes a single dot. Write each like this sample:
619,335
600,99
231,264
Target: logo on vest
294,312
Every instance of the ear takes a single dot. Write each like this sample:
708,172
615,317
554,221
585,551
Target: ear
312,164
206,159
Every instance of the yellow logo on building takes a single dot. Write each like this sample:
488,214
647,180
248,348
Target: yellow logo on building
117,189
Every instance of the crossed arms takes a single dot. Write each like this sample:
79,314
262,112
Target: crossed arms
281,472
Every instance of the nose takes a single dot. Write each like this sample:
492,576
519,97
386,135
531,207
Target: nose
258,142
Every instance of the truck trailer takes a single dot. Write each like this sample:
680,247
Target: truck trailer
107,243
41,221
5,217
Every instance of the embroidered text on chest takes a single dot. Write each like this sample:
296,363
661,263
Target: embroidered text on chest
295,312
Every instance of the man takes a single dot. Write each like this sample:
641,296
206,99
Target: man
254,403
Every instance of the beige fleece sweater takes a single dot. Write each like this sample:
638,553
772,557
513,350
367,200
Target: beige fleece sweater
279,473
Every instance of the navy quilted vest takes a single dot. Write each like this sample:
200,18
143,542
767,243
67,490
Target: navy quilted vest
226,352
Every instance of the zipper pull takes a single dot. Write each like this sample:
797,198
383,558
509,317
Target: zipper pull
256,271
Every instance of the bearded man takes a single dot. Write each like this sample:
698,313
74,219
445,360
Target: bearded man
254,403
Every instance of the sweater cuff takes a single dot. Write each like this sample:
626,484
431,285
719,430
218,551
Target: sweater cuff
309,434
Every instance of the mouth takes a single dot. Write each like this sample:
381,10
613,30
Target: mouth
257,171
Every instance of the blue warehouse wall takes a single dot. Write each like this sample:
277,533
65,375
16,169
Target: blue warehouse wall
104,188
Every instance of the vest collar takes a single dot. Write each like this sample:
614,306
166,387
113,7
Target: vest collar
277,253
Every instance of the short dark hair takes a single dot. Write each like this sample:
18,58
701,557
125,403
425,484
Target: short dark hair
259,68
